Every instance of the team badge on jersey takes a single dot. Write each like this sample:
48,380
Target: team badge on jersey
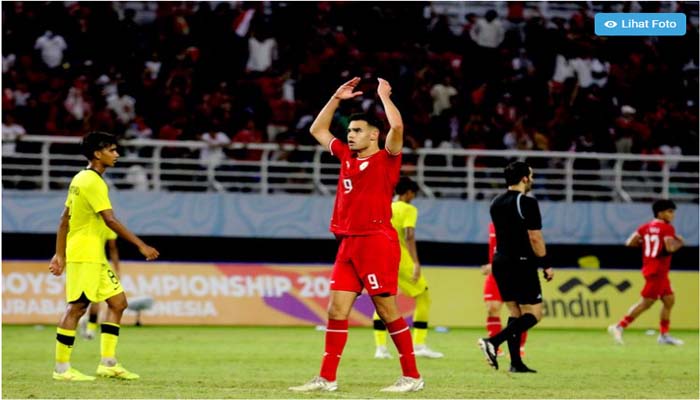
364,165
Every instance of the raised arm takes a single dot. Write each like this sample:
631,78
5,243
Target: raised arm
113,223
320,129
394,139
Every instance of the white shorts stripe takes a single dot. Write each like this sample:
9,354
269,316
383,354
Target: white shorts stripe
337,330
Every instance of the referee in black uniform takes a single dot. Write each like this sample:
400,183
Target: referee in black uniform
520,251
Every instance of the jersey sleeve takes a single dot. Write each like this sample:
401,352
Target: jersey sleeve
338,149
110,234
531,213
640,229
393,166
669,231
411,217
96,195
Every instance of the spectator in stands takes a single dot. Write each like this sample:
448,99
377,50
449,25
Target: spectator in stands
123,106
77,103
262,51
211,156
631,134
442,94
488,34
248,134
51,47
168,61
12,132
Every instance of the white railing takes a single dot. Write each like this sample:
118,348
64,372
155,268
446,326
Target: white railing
47,163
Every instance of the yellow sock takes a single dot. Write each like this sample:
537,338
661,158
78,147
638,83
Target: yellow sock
108,340
379,331
420,318
92,326
65,339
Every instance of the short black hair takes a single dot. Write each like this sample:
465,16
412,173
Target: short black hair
515,171
96,141
662,205
405,184
370,119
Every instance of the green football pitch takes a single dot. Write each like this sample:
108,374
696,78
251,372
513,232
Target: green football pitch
261,362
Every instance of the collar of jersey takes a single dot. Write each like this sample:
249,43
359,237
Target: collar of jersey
95,171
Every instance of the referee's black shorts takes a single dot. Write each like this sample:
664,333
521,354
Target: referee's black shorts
517,279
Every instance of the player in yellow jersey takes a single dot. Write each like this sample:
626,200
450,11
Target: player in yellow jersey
411,282
80,244
88,324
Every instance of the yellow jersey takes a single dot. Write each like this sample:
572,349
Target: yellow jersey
403,215
87,232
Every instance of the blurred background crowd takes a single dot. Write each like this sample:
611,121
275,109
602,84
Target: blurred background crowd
515,77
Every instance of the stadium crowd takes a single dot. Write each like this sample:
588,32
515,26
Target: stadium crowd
250,72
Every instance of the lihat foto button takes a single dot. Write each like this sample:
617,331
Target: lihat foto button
640,24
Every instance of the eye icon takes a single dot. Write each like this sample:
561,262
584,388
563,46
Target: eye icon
610,24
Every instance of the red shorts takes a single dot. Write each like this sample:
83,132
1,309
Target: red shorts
656,286
371,262
491,292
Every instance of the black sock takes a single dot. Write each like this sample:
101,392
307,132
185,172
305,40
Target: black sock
92,318
520,325
514,345
379,325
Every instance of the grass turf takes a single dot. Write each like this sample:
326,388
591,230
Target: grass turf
261,362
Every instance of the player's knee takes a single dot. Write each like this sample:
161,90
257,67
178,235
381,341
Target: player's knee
645,305
669,301
493,308
388,313
77,309
337,312
118,306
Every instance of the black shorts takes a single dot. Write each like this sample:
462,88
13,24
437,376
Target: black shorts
517,279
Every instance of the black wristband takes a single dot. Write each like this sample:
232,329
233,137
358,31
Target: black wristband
544,262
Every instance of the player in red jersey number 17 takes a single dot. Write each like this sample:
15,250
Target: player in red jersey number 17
368,253
658,241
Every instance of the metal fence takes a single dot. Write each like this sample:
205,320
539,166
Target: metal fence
48,163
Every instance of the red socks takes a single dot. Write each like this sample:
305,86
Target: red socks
493,325
401,335
336,337
523,338
663,326
626,320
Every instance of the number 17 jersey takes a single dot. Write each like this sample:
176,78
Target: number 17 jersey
365,189
655,259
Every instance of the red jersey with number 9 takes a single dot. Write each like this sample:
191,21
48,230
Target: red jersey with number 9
365,189
655,259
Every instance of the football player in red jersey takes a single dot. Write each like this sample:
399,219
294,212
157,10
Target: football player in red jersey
368,253
492,297
658,240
